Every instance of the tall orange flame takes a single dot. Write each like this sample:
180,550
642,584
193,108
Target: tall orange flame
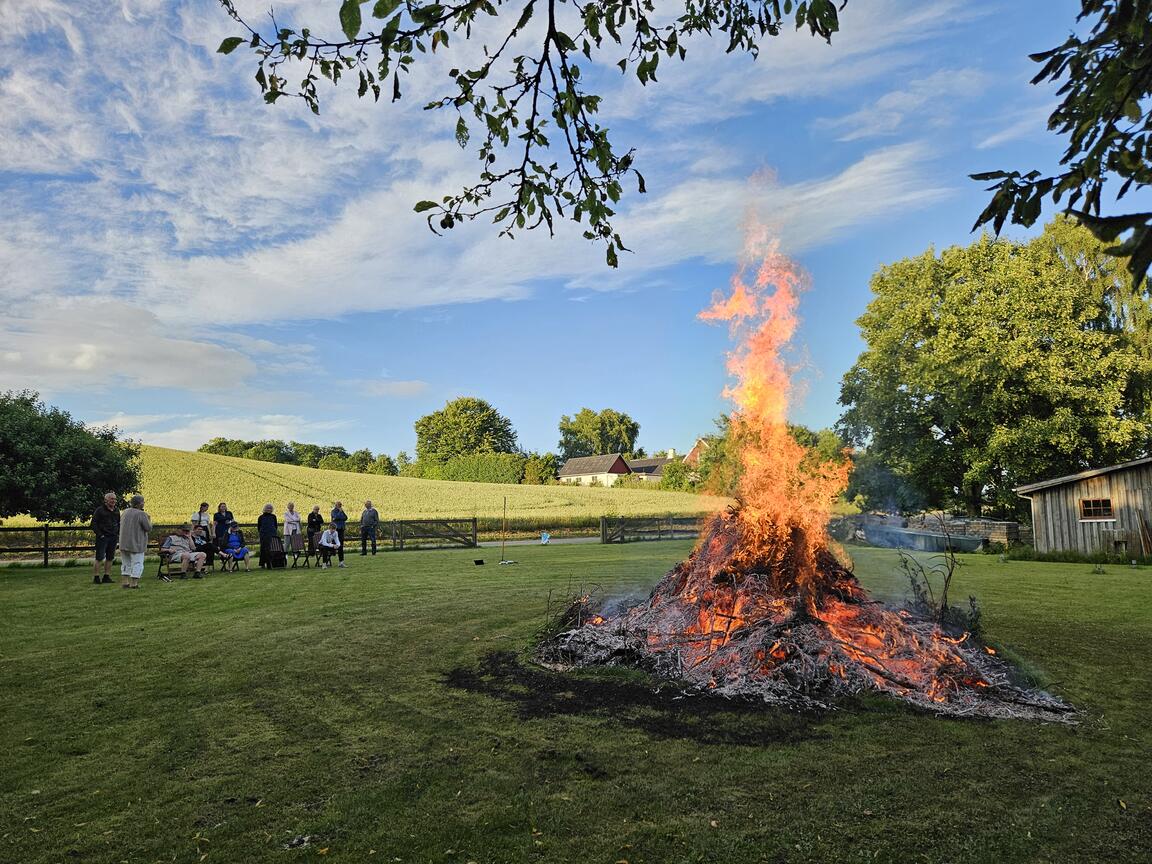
786,495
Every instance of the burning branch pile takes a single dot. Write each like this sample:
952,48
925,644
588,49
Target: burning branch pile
762,608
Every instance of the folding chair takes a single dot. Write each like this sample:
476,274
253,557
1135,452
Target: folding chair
298,549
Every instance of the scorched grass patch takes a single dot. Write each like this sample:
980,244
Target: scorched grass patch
386,712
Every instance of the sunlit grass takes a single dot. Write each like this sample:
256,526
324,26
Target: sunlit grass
354,711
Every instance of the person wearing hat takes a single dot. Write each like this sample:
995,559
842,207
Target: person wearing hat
182,550
234,547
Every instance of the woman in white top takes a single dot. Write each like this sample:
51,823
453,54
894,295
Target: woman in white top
203,518
291,521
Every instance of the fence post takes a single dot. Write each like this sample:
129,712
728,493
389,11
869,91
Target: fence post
475,533
45,544
603,529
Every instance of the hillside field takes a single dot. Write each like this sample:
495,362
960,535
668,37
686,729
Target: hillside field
176,481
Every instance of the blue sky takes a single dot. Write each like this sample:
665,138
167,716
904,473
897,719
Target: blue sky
183,261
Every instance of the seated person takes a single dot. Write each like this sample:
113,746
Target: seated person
181,550
200,541
328,546
233,547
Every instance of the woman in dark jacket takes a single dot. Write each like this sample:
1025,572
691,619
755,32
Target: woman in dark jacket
222,519
315,526
266,525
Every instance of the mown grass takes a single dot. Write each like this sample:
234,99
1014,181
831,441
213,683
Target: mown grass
176,481
381,713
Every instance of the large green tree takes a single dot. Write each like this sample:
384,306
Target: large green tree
462,427
521,99
1105,78
54,468
998,363
588,433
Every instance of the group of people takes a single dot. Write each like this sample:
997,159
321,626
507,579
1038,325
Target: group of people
196,544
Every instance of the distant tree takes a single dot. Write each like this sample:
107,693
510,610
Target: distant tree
1106,113
589,433
719,467
360,461
308,455
403,460
677,476
271,451
334,462
540,468
999,363
464,426
384,465
55,469
227,447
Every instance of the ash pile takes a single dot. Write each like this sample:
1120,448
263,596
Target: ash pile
759,612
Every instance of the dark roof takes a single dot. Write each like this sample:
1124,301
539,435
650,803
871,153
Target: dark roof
1083,475
591,465
651,467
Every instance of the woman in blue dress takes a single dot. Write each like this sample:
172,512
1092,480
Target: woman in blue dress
234,548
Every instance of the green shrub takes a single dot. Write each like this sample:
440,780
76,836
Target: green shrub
484,468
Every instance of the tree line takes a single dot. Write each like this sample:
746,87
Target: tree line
467,439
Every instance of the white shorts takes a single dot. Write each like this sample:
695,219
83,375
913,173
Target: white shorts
131,564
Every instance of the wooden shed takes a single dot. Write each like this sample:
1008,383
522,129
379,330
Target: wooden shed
1100,510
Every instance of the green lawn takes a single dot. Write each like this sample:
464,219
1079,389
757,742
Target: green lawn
370,711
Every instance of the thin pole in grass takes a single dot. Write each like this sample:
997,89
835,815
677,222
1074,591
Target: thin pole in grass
504,534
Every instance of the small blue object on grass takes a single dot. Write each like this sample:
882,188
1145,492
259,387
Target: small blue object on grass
544,538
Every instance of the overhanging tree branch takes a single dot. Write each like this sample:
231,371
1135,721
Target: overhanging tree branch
526,178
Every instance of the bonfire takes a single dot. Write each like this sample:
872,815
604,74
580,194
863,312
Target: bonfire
764,607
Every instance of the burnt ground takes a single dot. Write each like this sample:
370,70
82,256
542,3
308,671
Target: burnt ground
661,711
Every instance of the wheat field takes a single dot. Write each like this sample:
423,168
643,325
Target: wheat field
176,481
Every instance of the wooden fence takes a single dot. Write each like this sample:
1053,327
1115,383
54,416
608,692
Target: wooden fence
77,541
619,529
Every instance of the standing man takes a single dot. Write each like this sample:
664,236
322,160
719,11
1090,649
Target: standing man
135,526
106,525
340,520
369,522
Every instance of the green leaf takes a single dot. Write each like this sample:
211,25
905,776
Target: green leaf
461,132
384,8
230,44
421,206
350,18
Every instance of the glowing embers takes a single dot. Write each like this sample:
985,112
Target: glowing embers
799,643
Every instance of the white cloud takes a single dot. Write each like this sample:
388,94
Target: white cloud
1032,121
927,102
165,183
105,345
875,39
200,430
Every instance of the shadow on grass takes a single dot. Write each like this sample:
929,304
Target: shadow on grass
666,712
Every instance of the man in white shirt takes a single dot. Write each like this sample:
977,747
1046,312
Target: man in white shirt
329,545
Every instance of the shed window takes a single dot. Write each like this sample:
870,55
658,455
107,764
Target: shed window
1096,508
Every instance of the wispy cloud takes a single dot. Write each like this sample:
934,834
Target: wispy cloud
1029,122
107,345
161,431
927,103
